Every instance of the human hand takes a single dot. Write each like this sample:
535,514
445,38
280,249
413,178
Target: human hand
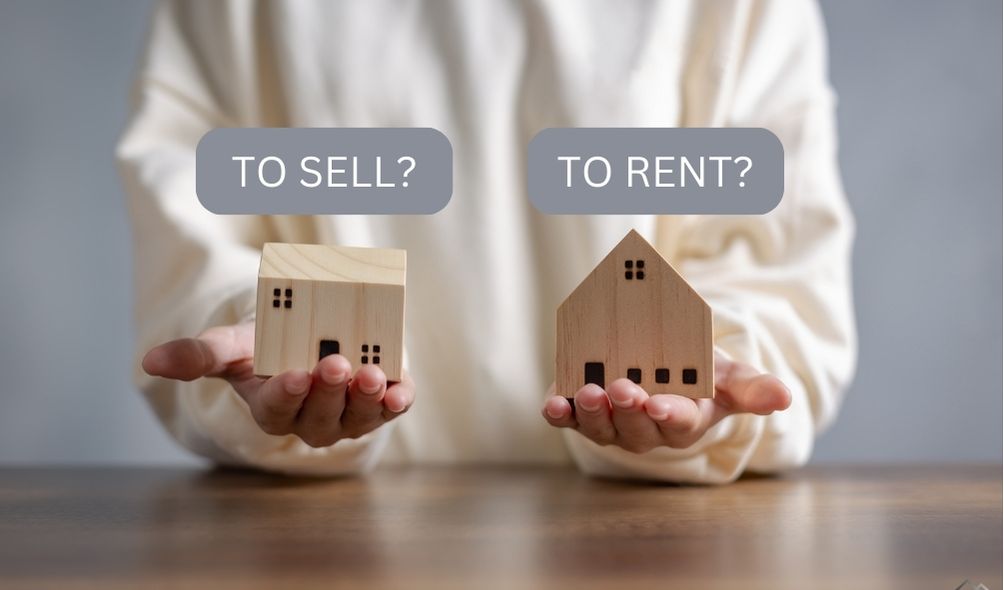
626,416
321,407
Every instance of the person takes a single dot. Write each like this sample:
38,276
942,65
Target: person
488,272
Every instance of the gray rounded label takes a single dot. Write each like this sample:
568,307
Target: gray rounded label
655,171
287,171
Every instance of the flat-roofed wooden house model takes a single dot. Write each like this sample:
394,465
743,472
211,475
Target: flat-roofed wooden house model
634,316
316,300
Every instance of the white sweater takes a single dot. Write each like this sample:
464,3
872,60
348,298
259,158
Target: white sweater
487,273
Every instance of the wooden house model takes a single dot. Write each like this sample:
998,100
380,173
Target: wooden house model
634,316
316,300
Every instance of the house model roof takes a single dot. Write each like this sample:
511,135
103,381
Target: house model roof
316,262
633,242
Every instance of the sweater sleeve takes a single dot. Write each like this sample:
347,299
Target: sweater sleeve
194,269
778,284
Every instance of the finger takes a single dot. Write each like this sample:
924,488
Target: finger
558,412
364,406
675,415
319,421
276,403
636,431
592,411
210,354
398,398
185,359
742,388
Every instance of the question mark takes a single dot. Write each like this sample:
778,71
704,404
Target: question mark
749,164
408,171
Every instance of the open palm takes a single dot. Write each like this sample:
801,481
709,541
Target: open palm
321,406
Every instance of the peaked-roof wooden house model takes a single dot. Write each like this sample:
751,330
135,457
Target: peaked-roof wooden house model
635,316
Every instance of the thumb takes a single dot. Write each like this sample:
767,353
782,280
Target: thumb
741,388
210,354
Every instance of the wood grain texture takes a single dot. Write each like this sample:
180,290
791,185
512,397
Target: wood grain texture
312,293
849,527
322,262
625,322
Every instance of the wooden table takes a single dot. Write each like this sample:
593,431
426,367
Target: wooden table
855,527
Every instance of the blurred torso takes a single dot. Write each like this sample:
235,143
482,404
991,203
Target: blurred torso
486,273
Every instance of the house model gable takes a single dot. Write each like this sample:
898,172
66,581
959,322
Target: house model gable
634,316
316,300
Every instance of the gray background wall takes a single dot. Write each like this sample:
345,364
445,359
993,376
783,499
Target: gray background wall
920,121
